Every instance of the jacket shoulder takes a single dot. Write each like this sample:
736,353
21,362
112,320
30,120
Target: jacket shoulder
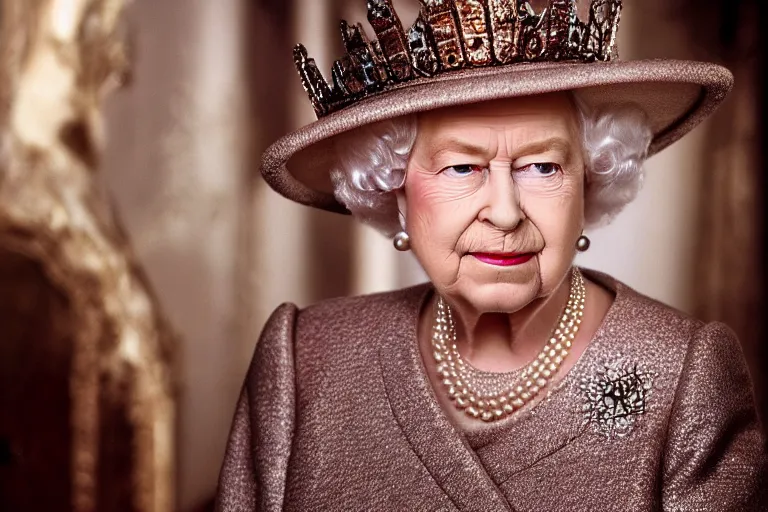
639,330
363,309
642,321
337,341
644,312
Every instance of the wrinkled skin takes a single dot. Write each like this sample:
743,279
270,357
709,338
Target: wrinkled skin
498,177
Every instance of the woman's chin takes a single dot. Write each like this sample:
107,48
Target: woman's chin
500,297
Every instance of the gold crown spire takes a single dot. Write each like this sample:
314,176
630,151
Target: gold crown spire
455,34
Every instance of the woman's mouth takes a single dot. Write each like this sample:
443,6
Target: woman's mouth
508,259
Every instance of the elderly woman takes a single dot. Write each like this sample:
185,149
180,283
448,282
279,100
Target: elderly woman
513,380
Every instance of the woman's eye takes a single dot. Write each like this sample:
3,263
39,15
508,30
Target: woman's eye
463,170
543,169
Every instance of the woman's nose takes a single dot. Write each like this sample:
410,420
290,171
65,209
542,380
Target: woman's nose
502,208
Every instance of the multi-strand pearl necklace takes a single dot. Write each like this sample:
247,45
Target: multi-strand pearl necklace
491,396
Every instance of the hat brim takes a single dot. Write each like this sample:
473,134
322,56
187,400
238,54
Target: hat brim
676,96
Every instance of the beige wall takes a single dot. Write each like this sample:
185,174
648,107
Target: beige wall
222,255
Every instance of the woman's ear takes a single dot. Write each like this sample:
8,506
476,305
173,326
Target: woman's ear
401,206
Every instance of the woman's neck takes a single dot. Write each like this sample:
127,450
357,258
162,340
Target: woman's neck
502,342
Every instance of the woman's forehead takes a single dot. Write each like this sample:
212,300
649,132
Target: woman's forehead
543,115
521,122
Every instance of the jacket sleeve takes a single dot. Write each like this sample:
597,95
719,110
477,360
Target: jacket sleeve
256,461
715,457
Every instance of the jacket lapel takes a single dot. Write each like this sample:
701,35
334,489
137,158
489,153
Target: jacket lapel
443,451
532,436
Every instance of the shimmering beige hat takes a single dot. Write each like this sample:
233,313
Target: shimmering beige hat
468,51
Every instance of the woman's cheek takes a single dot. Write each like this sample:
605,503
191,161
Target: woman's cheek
435,201
443,187
435,235
436,229
557,201
530,184
418,190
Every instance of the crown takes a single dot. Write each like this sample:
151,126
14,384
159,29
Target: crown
450,35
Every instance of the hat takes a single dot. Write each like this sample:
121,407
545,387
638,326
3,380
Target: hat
469,51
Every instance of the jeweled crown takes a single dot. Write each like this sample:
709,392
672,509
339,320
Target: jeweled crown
449,35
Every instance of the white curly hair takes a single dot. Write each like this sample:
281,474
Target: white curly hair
371,164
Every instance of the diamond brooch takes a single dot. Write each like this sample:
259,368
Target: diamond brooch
615,397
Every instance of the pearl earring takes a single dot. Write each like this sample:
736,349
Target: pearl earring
402,242
583,244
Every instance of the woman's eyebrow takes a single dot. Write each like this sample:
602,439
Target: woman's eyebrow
456,145
559,144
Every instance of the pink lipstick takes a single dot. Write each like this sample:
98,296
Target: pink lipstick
503,259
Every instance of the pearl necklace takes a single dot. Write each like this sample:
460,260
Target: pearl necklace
491,396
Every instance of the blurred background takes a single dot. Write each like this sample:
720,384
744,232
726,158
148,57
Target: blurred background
212,86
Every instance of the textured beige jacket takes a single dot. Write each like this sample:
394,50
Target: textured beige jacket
337,413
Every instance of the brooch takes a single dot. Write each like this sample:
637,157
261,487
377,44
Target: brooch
615,396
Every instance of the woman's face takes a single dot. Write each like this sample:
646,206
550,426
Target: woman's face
494,200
